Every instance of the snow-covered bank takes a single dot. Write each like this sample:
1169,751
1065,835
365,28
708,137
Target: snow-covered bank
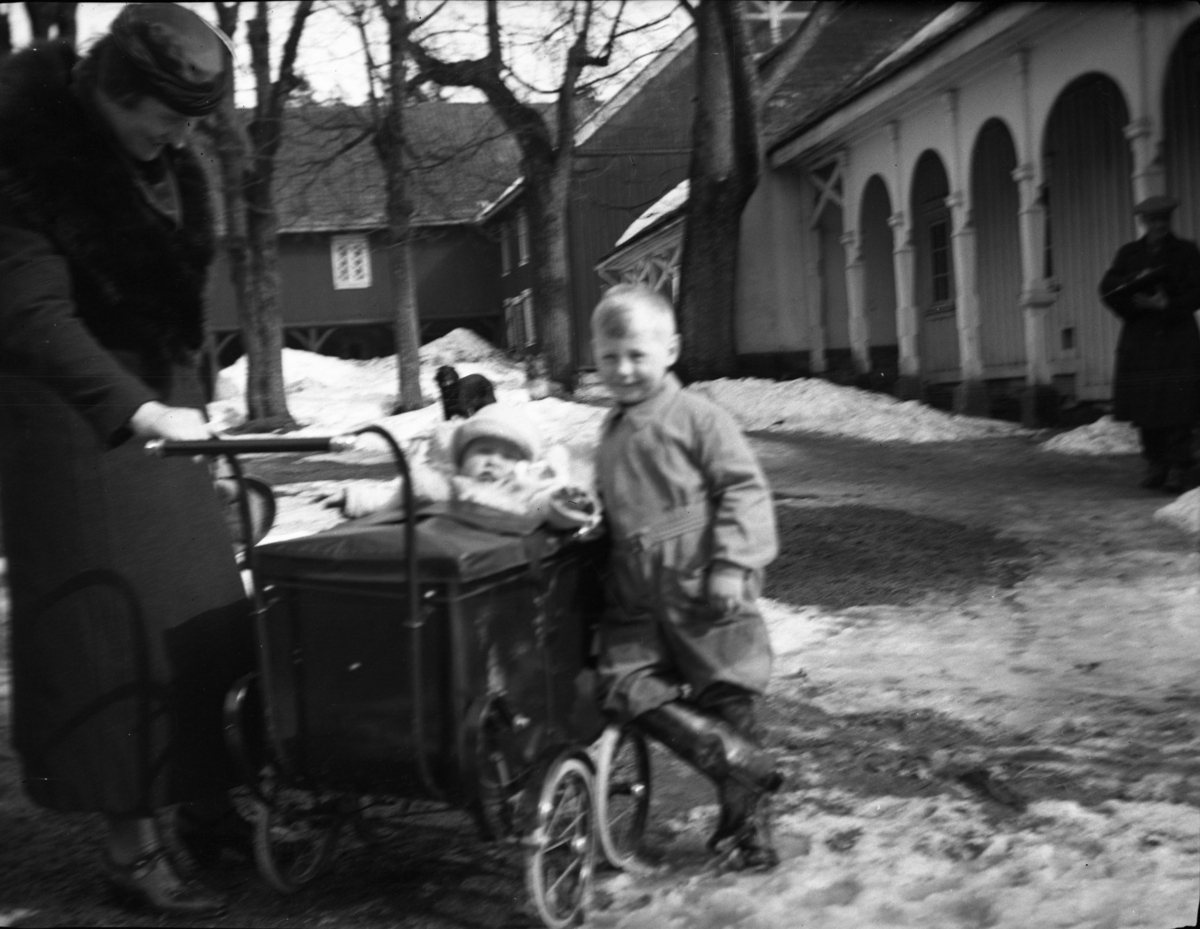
1105,436
814,405
331,395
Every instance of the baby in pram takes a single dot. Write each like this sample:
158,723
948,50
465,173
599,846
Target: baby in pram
501,478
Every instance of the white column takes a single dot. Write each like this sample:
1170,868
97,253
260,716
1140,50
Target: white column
1143,133
856,300
966,299
904,262
907,324
1147,179
971,394
1039,400
1036,297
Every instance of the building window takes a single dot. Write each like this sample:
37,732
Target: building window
351,262
941,290
505,248
518,315
522,238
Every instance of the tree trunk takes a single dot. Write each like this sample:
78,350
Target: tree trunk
262,322
389,142
43,16
546,205
262,326
723,174
225,131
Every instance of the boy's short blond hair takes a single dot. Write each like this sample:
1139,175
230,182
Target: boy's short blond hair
614,313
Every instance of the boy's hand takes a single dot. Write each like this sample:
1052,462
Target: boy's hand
726,588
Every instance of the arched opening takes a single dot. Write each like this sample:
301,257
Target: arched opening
994,206
934,276
1181,131
1089,207
879,277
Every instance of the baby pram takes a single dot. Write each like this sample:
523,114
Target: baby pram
429,660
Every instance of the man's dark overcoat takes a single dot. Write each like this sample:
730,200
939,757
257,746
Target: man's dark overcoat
1157,380
128,614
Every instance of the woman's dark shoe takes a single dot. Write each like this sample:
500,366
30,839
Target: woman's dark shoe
150,881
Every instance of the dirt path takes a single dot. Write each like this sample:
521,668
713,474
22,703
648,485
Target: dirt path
985,686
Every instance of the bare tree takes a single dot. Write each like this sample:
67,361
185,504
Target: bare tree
546,156
387,134
46,17
252,233
723,174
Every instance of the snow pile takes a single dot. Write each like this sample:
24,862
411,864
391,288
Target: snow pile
459,346
333,395
814,405
1105,436
889,861
1182,513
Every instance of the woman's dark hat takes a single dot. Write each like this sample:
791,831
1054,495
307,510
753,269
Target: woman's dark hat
183,59
1159,205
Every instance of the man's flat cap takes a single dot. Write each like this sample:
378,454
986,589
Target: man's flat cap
1156,206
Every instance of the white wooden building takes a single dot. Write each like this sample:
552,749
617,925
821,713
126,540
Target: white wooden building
946,187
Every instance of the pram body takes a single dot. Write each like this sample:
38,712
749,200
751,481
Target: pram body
423,660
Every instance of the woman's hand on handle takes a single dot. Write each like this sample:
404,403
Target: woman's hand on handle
154,420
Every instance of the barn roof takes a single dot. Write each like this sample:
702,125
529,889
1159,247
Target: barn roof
329,178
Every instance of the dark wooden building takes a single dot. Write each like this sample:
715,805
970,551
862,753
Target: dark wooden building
329,190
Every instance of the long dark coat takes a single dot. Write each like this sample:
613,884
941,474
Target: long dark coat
128,616
1157,380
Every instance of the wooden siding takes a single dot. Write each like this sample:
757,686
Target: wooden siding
994,206
608,193
1181,132
457,269
1088,167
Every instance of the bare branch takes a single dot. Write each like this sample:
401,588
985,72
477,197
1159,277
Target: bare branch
287,81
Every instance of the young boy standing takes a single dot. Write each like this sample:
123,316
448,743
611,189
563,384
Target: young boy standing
683,649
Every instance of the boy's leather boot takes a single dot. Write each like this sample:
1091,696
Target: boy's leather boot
742,839
741,770
712,745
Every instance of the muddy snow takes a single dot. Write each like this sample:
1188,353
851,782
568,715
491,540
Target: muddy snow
1004,661
1016,747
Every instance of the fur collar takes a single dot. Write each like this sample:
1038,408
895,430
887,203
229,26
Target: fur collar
138,282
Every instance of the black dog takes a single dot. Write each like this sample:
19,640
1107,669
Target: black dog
465,396
447,381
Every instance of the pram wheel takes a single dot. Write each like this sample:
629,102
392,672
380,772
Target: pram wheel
622,795
560,850
295,835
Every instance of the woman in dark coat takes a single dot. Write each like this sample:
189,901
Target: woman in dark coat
1154,286
129,619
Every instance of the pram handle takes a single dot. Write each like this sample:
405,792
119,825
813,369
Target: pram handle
160,448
